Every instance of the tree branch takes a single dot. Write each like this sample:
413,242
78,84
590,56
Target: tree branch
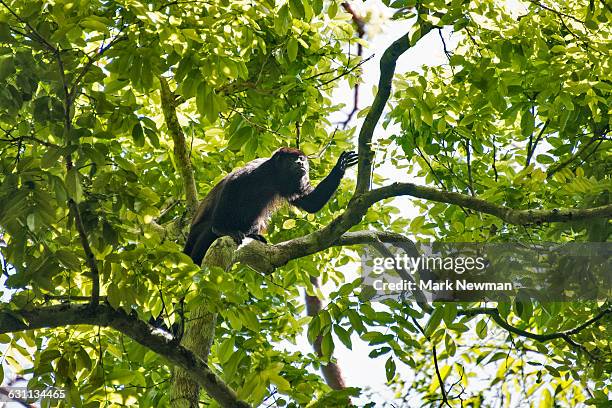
531,147
565,335
89,255
387,69
91,61
181,154
137,330
509,215
34,35
581,151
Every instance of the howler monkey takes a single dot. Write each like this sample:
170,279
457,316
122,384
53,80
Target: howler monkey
240,204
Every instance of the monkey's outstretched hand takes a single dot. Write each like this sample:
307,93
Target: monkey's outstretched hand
346,160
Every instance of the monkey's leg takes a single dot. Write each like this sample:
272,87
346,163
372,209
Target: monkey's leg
202,244
257,237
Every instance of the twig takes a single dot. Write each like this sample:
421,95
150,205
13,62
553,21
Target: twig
345,72
531,147
437,368
325,147
35,36
469,167
557,12
564,335
494,159
559,166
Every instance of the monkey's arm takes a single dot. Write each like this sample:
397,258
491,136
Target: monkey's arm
314,199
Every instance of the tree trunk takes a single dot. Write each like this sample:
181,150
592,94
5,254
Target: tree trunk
200,329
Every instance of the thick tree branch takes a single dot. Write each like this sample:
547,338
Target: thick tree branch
139,331
181,153
266,258
387,69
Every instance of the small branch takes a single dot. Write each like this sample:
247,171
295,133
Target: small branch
581,151
70,298
359,24
444,47
34,35
495,159
13,139
137,330
531,147
437,368
91,61
325,147
433,172
89,256
435,359
469,167
557,12
345,72
377,239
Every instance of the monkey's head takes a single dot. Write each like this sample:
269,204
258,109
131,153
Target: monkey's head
291,167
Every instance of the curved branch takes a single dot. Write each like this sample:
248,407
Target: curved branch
565,335
137,330
509,215
387,69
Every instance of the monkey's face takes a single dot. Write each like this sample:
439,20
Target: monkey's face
293,166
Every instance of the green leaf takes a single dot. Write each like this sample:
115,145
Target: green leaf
426,114
202,99
138,135
390,369
356,321
327,345
527,123
226,350
68,259
481,329
332,10
249,318
282,20
434,321
292,49
344,336
297,8
544,159
289,224
50,158
7,66
73,185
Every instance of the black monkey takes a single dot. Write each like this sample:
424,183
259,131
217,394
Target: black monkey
239,205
